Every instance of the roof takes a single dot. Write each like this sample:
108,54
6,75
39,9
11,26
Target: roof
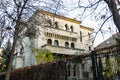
87,28
61,17
110,42
58,16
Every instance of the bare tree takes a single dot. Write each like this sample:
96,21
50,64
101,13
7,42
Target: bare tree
15,13
101,10
113,6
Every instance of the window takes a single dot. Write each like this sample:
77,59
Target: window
72,45
89,35
56,24
71,28
66,27
56,43
80,36
50,22
49,41
90,48
66,44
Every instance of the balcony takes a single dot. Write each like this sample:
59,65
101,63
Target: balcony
63,50
61,32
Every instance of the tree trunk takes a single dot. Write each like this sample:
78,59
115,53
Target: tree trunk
12,52
115,12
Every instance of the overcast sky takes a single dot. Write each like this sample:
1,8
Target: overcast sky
94,21
89,21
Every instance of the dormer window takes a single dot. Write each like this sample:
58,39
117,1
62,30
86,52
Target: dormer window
66,27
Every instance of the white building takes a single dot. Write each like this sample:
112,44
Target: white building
59,34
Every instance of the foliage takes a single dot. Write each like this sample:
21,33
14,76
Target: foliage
5,58
15,13
43,55
111,68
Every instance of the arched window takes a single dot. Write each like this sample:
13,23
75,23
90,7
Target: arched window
90,48
72,45
56,43
66,44
66,27
49,22
80,36
49,41
71,28
56,24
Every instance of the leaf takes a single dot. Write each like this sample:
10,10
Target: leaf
42,55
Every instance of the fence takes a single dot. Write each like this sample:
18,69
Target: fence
48,71
60,70
83,67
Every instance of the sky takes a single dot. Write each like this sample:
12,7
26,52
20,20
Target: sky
107,32
94,20
89,21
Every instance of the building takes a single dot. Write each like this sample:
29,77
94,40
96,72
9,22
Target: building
108,52
109,45
61,35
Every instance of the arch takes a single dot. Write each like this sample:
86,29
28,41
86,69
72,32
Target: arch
56,24
66,27
90,48
66,44
49,41
72,45
56,43
71,28
49,22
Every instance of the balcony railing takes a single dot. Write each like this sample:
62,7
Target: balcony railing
61,32
63,50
